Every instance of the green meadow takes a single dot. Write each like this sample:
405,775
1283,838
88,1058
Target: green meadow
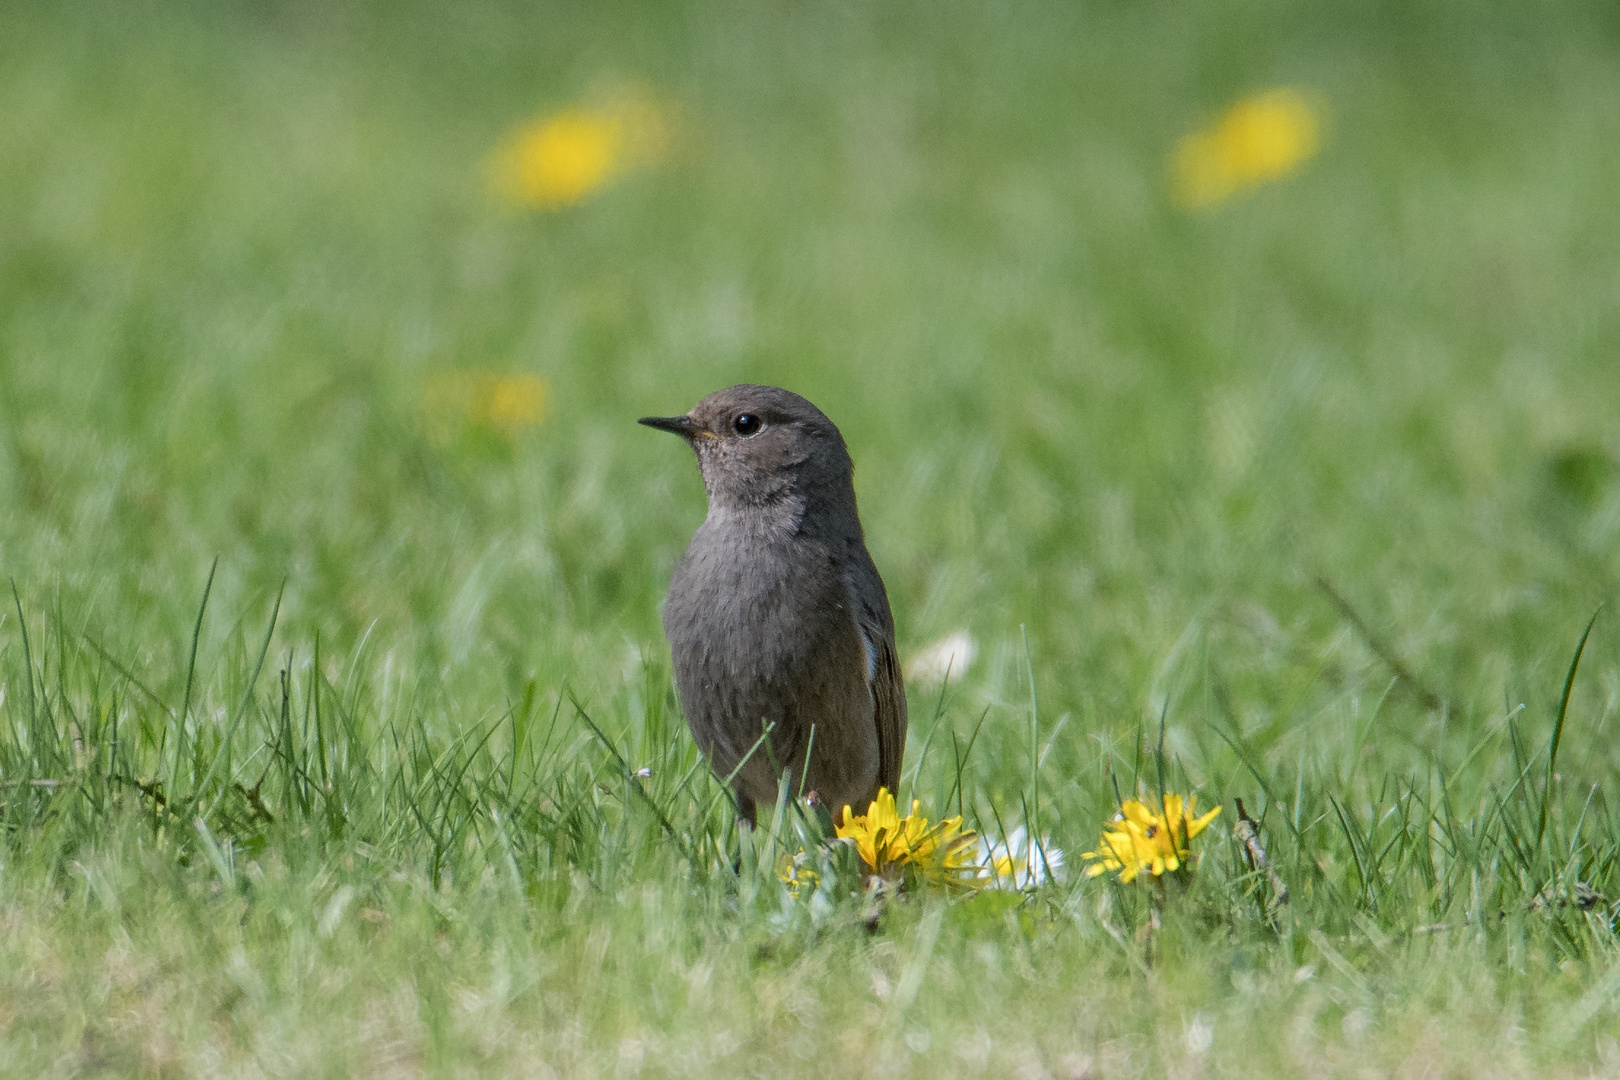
337,733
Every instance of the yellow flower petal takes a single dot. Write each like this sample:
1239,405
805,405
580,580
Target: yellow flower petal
1138,814
1199,824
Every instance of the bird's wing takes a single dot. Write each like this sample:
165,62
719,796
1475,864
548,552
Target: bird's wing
889,698
883,678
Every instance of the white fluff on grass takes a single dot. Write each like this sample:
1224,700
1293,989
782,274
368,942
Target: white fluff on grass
953,653
1016,863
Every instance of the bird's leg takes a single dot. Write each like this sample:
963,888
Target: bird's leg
745,819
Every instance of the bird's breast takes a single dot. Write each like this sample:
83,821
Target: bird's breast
746,609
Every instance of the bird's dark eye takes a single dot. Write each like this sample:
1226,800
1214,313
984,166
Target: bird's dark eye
747,425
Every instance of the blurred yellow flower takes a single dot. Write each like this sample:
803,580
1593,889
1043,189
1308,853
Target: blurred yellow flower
889,844
1142,838
505,403
797,874
1261,138
559,160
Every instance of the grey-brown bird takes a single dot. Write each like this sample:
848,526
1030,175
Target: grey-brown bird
777,619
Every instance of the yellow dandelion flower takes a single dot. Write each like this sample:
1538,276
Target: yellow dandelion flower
560,160
512,402
889,844
1261,138
1141,838
505,403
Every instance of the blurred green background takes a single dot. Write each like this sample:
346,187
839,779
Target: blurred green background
242,243
239,244
236,240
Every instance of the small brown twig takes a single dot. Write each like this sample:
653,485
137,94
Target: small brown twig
1248,830
1380,647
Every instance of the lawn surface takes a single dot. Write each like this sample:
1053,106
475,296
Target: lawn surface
334,650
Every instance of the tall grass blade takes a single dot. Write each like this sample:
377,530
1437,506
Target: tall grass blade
196,637
28,653
1558,725
632,780
201,790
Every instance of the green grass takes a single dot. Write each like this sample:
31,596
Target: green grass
335,808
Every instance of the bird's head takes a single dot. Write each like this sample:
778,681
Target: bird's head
759,445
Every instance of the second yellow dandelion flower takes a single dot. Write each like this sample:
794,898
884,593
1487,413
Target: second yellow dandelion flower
560,160
1262,138
505,403
1144,839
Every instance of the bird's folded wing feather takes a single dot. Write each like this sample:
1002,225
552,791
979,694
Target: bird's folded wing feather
870,603
889,699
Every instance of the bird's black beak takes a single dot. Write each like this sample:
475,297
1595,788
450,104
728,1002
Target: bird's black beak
683,426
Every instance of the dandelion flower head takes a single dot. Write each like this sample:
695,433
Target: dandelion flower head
561,159
1259,139
503,402
889,844
1143,838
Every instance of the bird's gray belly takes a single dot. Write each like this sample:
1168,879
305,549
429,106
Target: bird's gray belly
769,644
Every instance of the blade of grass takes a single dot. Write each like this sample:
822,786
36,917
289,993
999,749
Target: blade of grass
632,779
196,637
1032,814
1379,646
129,676
200,791
28,653
1558,725
933,728
1355,848
961,762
